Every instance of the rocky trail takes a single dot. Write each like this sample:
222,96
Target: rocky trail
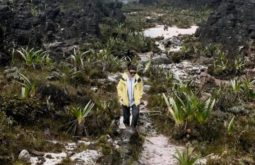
156,148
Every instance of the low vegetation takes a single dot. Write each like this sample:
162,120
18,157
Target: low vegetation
186,157
40,96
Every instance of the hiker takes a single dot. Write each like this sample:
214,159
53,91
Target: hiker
165,28
130,91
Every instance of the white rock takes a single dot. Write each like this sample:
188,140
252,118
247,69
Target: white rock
113,77
161,31
88,157
54,158
24,156
70,146
84,142
146,88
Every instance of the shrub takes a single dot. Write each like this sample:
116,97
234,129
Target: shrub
80,114
28,87
34,57
223,65
187,107
77,59
186,157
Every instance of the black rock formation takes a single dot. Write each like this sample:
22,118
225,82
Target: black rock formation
36,23
232,24
184,3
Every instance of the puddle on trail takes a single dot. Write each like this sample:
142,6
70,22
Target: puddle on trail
168,32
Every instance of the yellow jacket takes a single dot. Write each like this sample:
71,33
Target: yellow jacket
123,90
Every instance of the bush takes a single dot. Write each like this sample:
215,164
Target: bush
34,58
79,114
186,157
186,107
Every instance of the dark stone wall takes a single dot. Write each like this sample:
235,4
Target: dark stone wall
184,3
232,24
34,23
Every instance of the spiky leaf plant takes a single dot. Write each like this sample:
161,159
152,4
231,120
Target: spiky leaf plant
230,126
239,64
80,114
236,85
28,87
187,107
77,59
186,157
34,57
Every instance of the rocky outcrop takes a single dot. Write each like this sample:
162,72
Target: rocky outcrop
232,24
3,56
36,23
184,3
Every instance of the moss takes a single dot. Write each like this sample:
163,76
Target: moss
19,163
136,143
104,145
66,161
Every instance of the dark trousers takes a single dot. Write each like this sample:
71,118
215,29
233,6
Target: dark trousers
126,115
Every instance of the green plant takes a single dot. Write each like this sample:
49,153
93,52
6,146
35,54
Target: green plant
239,64
212,50
34,57
230,126
242,88
147,66
77,59
80,114
187,107
137,41
247,87
236,86
28,87
221,62
204,112
186,157
177,112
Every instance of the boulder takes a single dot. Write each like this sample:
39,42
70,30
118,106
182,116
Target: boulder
238,110
24,156
161,59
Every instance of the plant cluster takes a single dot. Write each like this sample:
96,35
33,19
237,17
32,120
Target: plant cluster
223,65
239,91
34,58
80,114
122,41
185,107
28,87
187,157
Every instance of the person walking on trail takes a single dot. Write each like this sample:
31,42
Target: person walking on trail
130,91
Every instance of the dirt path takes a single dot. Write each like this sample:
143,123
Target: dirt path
156,149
